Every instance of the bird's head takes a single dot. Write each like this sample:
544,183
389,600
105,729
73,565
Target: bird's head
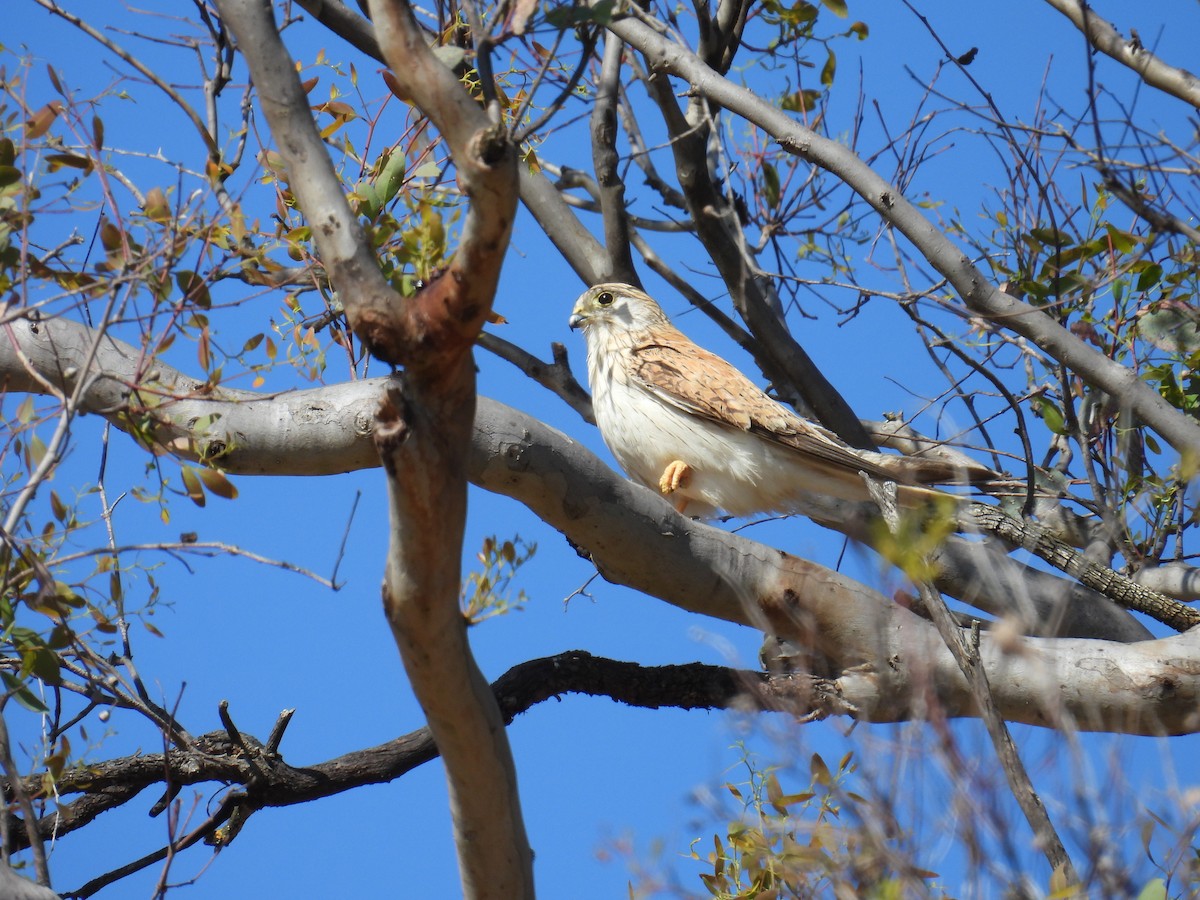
616,305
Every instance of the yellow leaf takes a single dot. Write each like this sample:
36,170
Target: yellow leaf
40,122
156,207
218,484
191,484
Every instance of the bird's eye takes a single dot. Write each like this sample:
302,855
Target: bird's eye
605,298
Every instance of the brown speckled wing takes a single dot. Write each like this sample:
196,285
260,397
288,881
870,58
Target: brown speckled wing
696,381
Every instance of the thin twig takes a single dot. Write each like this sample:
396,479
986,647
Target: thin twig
21,796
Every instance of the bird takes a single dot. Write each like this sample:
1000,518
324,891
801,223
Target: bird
683,421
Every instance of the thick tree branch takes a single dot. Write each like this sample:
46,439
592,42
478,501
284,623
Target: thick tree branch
605,160
637,539
979,295
1178,580
423,430
577,245
585,254
344,251
1045,546
265,779
423,436
782,359
1129,52
328,430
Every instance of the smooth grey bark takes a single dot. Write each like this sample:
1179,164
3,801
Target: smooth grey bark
14,887
328,430
1130,53
976,290
636,538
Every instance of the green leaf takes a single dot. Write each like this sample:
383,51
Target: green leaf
770,185
1050,414
37,449
22,694
1051,237
156,207
44,665
374,195
56,161
1122,241
391,176
829,69
801,101
1172,326
428,170
837,7
570,16
58,507
193,287
1150,276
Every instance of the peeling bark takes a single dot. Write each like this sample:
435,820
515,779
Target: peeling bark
423,427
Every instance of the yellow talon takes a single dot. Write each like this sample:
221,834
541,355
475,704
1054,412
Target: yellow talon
674,477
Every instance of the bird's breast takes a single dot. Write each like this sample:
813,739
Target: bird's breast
729,468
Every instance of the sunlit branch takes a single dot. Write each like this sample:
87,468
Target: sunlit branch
1130,52
976,290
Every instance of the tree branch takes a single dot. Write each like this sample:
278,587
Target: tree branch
555,376
423,429
341,243
1129,52
269,781
1010,761
577,245
328,430
979,295
605,158
782,359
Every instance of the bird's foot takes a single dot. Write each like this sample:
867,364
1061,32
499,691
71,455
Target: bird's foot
674,476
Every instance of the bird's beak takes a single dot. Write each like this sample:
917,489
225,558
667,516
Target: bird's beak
576,321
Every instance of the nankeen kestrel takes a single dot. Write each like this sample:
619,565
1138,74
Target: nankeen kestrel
685,422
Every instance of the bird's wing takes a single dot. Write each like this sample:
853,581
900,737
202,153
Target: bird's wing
698,382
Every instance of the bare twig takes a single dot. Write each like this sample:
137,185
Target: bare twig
21,797
555,376
214,151
1019,783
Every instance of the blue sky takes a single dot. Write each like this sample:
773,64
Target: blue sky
594,776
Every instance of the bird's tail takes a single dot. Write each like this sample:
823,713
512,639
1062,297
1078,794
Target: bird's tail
921,470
